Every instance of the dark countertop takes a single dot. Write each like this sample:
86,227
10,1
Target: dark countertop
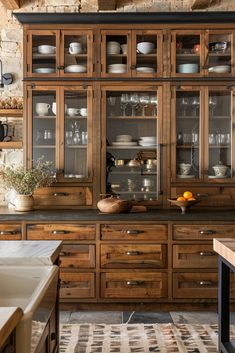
94,215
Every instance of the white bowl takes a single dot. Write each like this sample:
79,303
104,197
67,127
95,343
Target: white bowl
145,69
125,138
44,70
145,47
187,68
220,69
75,68
148,138
46,49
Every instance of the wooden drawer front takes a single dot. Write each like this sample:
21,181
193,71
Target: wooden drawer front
77,256
61,231
77,285
136,256
53,197
202,232
10,231
195,285
134,232
194,256
133,285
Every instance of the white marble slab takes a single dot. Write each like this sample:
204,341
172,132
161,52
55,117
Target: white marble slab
43,252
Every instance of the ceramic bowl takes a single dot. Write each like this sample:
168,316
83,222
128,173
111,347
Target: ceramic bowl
75,68
218,46
145,47
187,68
184,168
44,70
220,69
46,49
220,170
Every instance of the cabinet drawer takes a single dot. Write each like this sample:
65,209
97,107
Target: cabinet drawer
136,256
134,232
61,231
195,285
194,256
202,232
54,197
77,285
77,256
10,231
133,285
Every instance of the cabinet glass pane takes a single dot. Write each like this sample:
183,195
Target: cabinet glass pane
76,134
146,53
220,132
187,134
75,53
219,56
44,125
44,54
116,54
188,54
132,154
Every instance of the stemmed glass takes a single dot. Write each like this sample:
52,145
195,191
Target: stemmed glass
212,104
185,101
124,102
134,101
153,102
111,102
144,102
196,104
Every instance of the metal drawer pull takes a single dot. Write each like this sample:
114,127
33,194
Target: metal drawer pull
134,253
206,253
7,232
134,283
205,283
207,232
60,194
56,232
134,231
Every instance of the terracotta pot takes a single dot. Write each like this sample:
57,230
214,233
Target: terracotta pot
24,203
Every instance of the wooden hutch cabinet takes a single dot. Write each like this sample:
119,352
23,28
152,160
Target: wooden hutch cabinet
144,113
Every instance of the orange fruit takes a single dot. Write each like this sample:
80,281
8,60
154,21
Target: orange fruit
187,195
191,199
180,198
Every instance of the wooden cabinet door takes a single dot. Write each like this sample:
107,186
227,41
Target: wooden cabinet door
77,256
195,285
77,285
194,256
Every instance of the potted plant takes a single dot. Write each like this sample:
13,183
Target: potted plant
25,181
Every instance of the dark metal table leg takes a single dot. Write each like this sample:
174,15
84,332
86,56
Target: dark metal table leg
223,301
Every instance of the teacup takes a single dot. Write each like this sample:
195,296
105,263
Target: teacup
220,170
83,111
42,108
124,49
53,108
75,48
72,111
184,168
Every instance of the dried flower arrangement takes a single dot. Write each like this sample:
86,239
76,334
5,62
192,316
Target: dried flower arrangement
11,103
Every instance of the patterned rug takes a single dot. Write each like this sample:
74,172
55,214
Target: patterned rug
139,338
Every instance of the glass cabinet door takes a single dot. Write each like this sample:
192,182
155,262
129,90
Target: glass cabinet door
147,53
77,162
132,154
219,162
43,53
115,53
44,124
187,134
187,53
77,53
219,53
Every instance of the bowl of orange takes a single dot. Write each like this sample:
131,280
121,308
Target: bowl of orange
184,201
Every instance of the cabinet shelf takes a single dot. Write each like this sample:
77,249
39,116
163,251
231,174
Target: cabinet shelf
44,146
130,172
137,192
76,146
44,117
132,147
76,55
11,145
12,113
44,56
133,117
187,146
219,146
75,117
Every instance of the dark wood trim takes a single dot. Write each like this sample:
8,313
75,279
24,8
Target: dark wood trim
126,17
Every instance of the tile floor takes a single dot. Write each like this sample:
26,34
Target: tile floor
118,317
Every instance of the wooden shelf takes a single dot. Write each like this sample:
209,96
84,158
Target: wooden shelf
11,145
76,146
14,113
44,146
132,147
132,117
187,146
75,117
137,192
44,116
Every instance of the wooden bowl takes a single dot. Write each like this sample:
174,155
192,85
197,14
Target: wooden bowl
183,204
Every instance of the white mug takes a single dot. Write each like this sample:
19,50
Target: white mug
72,111
42,108
83,111
53,108
75,48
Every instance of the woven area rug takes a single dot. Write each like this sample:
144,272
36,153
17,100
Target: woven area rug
139,338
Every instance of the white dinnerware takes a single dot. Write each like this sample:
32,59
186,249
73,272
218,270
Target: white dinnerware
117,68
83,111
72,111
46,49
75,69
145,47
188,68
44,70
184,168
145,69
123,138
75,48
113,48
42,108
220,69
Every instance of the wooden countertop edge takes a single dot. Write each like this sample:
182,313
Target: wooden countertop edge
221,246
9,318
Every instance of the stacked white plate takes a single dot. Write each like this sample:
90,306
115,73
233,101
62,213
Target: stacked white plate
113,48
147,141
145,69
124,140
75,68
220,69
117,69
44,70
46,49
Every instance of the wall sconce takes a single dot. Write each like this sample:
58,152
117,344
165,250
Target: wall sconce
5,79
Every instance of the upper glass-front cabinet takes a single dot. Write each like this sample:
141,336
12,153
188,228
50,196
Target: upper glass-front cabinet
202,134
61,130
59,53
131,53
131,145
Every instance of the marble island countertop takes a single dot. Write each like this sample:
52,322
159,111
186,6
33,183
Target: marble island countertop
9,318
157,215
29,252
